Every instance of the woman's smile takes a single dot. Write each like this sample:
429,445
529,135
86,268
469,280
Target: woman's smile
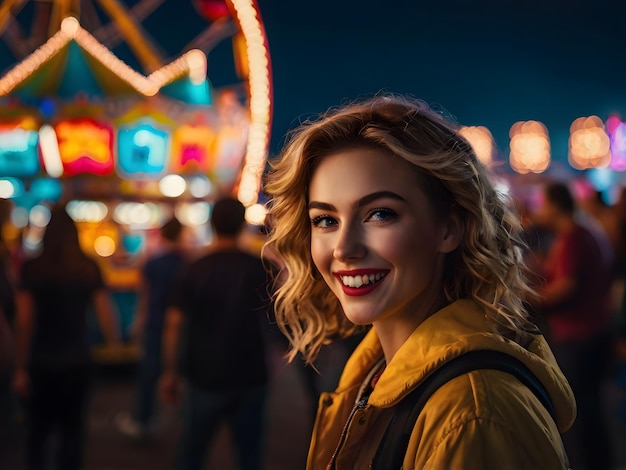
374,237
360,281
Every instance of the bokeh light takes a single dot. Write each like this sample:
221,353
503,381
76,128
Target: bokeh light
589,144
482,142
529,147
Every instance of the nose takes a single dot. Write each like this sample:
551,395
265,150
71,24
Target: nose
349,243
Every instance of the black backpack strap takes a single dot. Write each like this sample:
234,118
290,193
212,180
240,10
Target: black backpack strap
390,454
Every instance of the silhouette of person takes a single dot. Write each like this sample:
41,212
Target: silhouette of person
576,303
7,314
52,358
221,309
158,275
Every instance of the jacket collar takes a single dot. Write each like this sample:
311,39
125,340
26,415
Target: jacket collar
456,329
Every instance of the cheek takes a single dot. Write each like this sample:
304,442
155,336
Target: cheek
417,249
398,244
319,253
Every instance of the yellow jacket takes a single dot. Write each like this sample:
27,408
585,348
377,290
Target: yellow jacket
481,420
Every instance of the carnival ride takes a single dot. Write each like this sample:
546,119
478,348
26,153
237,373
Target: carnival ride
73,109
129,111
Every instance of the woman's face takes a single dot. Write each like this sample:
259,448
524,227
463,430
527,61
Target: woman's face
375,239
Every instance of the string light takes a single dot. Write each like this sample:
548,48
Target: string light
192,63
260,100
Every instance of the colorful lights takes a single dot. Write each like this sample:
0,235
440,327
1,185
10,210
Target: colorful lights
589,145
192,148
104,246
192,63
234,153
87,211
18,147
85,146
256,214
172,185
260,99
481,140
50,152
530,147
194,214
10,188
136,214
142,149
616,130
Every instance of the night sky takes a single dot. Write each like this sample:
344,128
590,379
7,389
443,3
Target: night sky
486,62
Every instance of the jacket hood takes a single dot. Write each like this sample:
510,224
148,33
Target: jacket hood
454,330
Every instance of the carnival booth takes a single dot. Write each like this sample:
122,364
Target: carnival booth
127,148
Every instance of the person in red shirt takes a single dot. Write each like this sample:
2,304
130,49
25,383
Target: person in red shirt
576,304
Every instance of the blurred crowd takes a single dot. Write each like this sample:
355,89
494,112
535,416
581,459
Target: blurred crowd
577,263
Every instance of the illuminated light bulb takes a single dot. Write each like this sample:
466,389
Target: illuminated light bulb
87,211
32,239
200,186
589,144
19,217
481,141
139,214
50,154
256,214
194,214
529,147
247,195
39,216
616,130
70,26
196,60
136,214
7,189
172,185
259,84
104,246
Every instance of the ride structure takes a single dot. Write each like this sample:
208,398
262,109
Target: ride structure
75,111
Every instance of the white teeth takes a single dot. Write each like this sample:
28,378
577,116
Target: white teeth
365,279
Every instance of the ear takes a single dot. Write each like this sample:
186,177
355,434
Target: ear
453,231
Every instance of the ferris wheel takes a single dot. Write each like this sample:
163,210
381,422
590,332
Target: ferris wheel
26,24
150,33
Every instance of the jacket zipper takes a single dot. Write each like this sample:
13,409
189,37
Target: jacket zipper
360,405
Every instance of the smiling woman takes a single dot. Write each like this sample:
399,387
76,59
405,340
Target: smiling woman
382,216
380,224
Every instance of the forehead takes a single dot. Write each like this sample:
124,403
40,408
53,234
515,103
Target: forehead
356,172
363,162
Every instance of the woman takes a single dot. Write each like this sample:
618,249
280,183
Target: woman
382,215
55,291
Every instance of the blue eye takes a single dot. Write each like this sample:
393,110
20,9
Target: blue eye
323,221
381,215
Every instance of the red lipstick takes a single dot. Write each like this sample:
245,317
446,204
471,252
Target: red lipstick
365,288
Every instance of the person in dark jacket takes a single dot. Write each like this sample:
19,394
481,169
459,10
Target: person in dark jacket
217,320
158,275
52,359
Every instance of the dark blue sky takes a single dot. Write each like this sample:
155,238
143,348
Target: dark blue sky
487,62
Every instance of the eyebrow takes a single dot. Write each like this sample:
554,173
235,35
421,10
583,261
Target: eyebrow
361,202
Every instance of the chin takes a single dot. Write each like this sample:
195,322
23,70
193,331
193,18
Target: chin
361,319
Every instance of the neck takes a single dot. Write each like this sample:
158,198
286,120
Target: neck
225,243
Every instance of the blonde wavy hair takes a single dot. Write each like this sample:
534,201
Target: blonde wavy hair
488,266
